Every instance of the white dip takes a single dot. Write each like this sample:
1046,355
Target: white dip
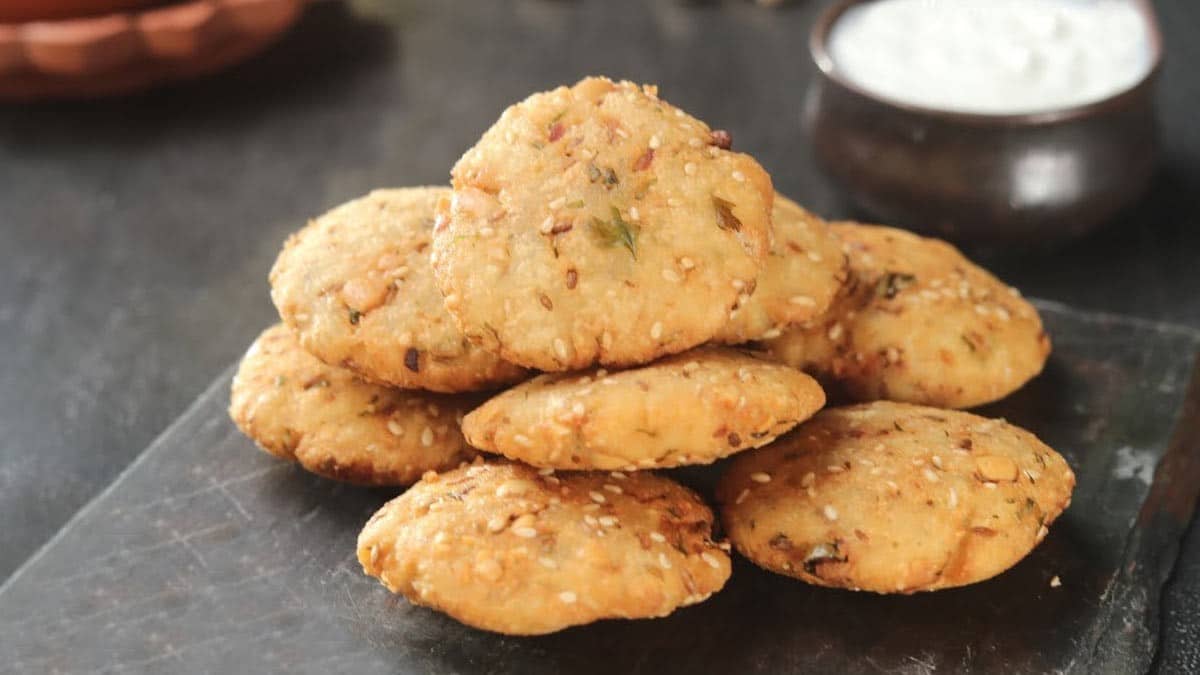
992,56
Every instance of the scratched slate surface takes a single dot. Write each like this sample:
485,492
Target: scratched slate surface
208,556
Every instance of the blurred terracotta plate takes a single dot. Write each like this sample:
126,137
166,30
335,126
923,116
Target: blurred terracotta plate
12,11
120,52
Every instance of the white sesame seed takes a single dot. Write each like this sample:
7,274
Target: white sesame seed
814,256
808,479
567,597
711,560
931,476
427,437
739,176
835,468
695,142
608,521
634,214
525,532
835,331
738,284
658,537
515,487
618,475
497,523
990,486
394,427
687,263
937,461
486,231
802,300
547,225
671,275
1055,582
578,409
656,330
522,440
1042,532
664,561
596,497
760,477
953,499
615,489
892,355
546,472
831,513
690,168
560,348
556,204
893,486
742,496
655,142
591,520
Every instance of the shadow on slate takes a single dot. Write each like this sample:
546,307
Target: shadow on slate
209,556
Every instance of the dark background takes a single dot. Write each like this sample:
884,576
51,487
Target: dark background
136,233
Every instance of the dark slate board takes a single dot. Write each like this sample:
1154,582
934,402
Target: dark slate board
208,556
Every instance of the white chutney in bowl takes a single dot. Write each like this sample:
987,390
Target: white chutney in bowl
993,56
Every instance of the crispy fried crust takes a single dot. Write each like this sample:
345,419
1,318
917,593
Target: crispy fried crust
894,498
691,408
918,322
804,272
336,425
357,287
503,548
599,224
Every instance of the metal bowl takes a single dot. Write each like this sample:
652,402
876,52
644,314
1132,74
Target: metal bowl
982,178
